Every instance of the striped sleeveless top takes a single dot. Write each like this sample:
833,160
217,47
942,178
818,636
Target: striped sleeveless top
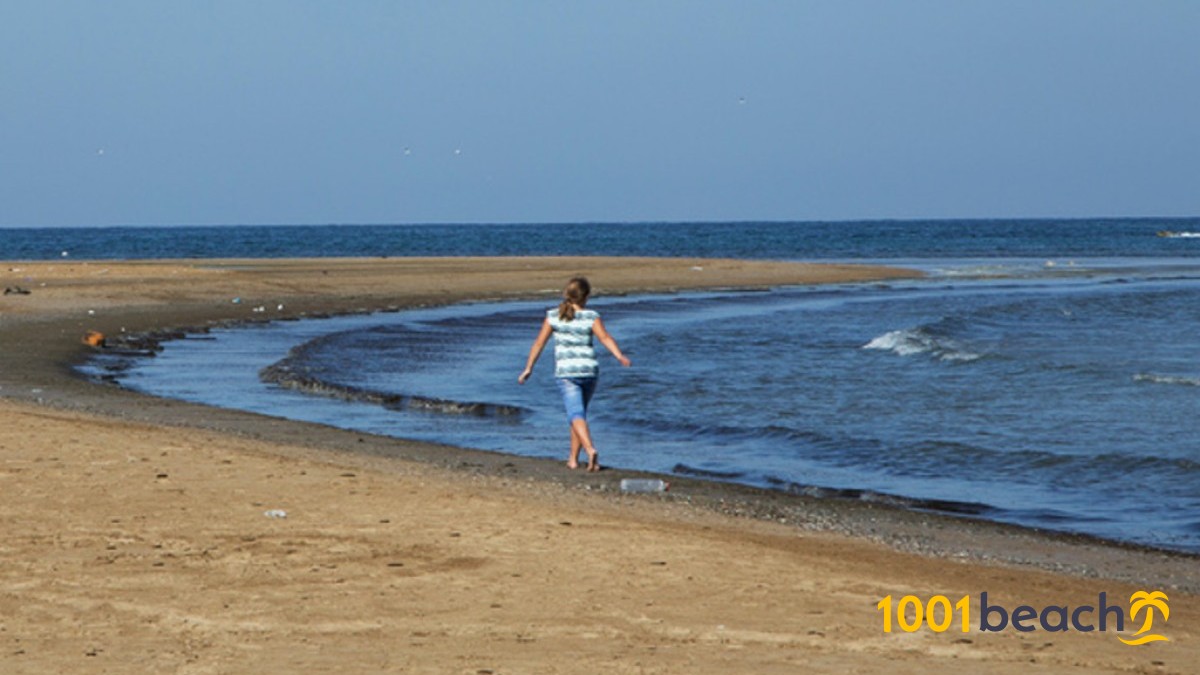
574,355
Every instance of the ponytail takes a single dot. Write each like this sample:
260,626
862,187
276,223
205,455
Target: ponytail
576,293
566,311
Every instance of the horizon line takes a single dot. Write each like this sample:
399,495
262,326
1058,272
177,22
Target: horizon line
513,223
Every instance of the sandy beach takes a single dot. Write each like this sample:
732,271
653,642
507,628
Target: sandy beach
134,538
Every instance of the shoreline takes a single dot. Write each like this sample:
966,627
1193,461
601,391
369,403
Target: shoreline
710,492
42,347
753,501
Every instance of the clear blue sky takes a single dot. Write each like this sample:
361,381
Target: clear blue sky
284,111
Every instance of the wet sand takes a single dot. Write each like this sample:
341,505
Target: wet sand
133,536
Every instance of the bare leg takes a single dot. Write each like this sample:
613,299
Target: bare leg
573,458
580,427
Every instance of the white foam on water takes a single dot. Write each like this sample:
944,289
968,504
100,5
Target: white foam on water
1167,379
909,342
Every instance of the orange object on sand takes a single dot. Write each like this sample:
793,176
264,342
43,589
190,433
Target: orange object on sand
94,338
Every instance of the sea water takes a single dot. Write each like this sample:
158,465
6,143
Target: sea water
1050,391
945,239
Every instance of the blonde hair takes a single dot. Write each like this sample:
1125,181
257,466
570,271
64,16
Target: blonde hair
576,293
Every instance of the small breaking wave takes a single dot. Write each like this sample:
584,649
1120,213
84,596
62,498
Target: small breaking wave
728,433
912,341
874,497
1179,235
282,374
685,470
1167,379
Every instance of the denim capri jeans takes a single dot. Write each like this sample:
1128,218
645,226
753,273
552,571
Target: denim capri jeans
577,393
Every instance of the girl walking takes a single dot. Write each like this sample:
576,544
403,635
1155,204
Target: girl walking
576,368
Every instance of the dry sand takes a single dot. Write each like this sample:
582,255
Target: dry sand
133,535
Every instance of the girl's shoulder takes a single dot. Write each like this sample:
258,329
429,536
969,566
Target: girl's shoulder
581,315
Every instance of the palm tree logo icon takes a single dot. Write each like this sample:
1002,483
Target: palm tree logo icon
1142,600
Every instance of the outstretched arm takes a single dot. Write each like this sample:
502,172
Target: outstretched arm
539,343
609,343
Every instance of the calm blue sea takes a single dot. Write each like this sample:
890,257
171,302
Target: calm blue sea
1112,237
1045,373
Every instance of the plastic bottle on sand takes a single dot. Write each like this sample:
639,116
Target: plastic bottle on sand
644,485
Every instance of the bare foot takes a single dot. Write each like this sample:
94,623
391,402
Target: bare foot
593,460
572,464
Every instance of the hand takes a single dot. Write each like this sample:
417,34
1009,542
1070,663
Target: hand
624,360
524,376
